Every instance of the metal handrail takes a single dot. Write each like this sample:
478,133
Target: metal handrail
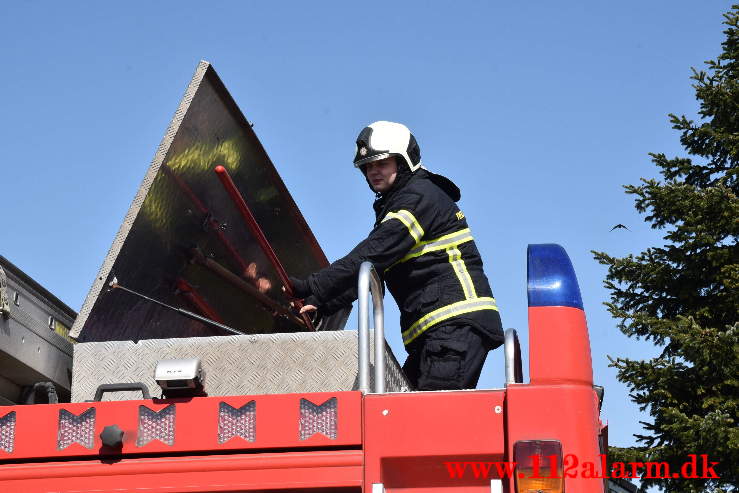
513,369
368,282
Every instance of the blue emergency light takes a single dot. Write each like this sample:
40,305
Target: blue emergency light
551,278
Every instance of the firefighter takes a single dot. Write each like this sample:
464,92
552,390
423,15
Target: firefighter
423,249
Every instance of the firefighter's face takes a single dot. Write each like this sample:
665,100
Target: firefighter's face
381,174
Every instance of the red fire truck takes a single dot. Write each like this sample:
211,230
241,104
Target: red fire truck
206,434
341,441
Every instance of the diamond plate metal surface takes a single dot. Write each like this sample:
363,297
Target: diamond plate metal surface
184,242
234,365
115,248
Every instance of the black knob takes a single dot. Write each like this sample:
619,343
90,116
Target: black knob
112,436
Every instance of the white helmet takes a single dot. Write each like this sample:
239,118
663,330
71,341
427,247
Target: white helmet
384,139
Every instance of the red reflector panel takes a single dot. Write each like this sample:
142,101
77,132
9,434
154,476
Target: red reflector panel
76,429
7,432
155,425
318,418
241,422
538,466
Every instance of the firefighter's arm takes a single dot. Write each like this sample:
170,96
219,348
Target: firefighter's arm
331,306
301,289
398,232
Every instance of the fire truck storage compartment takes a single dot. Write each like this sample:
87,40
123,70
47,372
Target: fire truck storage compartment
233,365
34,346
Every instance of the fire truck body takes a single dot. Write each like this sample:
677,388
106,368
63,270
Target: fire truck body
302,417
409,441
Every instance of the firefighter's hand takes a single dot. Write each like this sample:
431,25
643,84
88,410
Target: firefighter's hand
264,284
308,308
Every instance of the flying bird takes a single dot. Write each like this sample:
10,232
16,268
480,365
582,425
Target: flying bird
620,226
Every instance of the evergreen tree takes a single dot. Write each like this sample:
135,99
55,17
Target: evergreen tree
684,295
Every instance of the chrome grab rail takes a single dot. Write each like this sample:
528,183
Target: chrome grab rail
368,282
513,370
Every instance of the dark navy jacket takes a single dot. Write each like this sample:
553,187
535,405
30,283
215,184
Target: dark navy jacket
423,249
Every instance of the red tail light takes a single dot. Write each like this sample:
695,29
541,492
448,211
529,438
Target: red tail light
538,466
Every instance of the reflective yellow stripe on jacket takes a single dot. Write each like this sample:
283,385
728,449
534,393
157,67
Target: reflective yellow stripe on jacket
449,243
445,313
455,258
471,303
409,220
440,243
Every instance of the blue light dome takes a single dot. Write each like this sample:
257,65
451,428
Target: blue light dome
551,278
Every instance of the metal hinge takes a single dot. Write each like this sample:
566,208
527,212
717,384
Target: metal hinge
4,294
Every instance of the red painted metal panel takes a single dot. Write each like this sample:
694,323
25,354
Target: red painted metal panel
568,413
196,425
409,437
236,472
559,347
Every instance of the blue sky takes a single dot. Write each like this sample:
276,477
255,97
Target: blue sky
539,111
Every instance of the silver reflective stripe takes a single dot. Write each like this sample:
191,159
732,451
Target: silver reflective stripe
447,312
405,217
455,258
441,243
